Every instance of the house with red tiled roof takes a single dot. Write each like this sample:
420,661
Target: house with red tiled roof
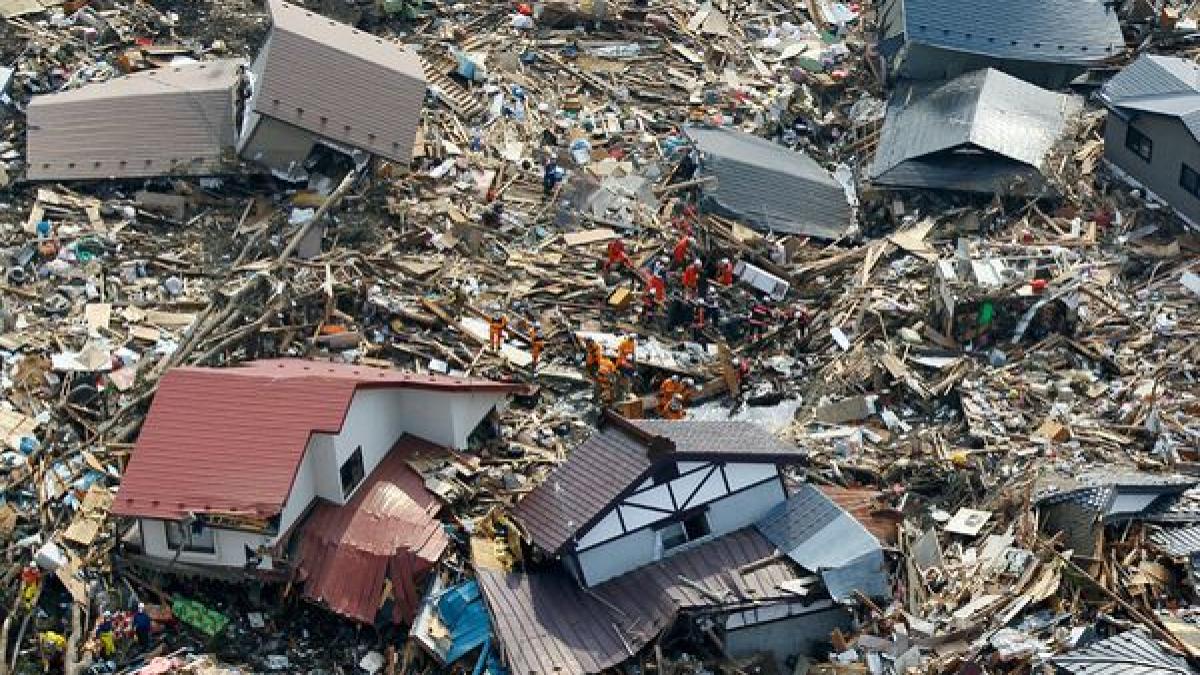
232,464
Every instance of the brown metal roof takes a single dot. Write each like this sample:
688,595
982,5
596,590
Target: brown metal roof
615,459
388,531
341,83
172,120
865,506
547,625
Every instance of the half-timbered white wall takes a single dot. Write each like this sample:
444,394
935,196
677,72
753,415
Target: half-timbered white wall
626,537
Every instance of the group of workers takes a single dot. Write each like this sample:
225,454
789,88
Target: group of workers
52,645
498,326
612,379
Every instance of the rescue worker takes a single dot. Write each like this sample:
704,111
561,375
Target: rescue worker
593,354
141,627
725,272
674,409
680,253
536,345
104,634
654,296
496,329
550,177
617,255
669,389
606,374
689,390
627,352
741,370
699,319
691,279
52,646
31,584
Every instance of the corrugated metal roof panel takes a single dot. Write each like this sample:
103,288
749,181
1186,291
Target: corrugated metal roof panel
1050,31
231,439
388,530
612,460
1179,542
927,123
769,186
341,83
821,537
1130,653
863,504
547,625
172,120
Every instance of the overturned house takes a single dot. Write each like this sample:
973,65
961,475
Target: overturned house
176,120
768,186
682,527
983,132
300,82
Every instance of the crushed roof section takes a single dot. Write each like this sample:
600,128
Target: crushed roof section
615,458
1129,653
229,440
547,624
769,186
387,531
985,109
1162,85
1179,542
822,537
312,62
1050,31
174,120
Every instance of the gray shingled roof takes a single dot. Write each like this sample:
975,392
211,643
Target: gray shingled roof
822,537
1052,31
1130,653
980,132
340,83
1162,85
769,186
172,120
614,460
1184,541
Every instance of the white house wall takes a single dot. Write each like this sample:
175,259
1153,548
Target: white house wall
304,489
229,546
626,536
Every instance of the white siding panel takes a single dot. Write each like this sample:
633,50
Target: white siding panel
658,497
744,508
608,527
635,517
684,467
617,557
741,475
713,488
685,485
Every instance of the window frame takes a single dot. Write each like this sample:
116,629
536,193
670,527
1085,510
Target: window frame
679,526
1184,171
1134,139
174,529
354,458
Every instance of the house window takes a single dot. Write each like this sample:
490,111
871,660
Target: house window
681,532
1189,180
352,472
196,539
1139,143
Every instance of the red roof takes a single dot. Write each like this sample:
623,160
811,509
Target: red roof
230,440
387,531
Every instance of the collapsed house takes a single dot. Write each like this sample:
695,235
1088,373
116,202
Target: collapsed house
235,465
296,104
984,131
300,81
177,120
1047,43
649,521
768,186
1152,136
